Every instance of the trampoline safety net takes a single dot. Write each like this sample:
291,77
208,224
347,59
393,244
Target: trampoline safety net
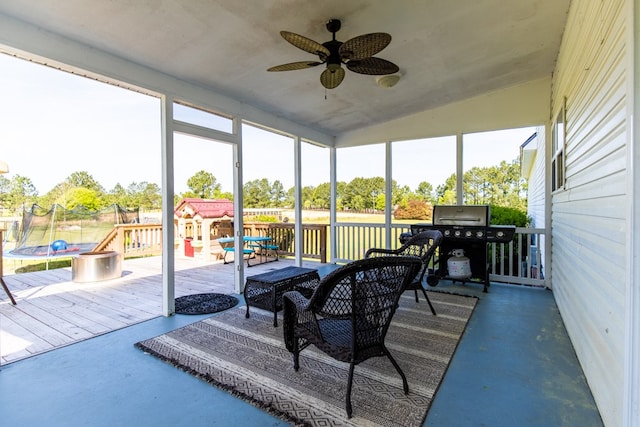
58,231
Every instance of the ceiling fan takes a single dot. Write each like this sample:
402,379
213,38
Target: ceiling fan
356,53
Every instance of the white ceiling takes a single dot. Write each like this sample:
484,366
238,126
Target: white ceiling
446,50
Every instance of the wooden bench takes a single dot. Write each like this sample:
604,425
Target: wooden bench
216,249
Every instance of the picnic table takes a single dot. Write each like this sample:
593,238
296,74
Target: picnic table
258,248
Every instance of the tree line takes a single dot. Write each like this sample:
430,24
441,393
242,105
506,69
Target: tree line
498,185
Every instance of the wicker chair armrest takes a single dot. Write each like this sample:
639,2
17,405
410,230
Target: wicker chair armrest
300,303
295,312
372,252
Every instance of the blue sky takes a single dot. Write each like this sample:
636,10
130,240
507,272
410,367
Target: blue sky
54,123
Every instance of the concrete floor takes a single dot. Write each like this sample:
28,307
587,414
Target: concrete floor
514,366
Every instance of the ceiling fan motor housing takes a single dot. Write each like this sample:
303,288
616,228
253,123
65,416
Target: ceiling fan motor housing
333,60
334,25
357,53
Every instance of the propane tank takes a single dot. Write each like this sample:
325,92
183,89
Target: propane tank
459,265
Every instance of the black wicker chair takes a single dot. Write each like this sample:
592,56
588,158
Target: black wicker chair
423,245
348,314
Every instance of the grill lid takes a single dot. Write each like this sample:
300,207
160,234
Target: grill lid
461,215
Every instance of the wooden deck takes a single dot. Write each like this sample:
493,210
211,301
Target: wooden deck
53,311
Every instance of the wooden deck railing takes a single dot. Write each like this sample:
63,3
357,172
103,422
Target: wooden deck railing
314,238
520,262
133,240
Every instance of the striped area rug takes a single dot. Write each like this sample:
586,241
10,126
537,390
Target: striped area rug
247,357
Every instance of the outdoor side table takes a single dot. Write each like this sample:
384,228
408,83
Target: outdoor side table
265,290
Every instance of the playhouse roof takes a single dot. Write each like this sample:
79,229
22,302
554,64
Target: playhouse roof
204,208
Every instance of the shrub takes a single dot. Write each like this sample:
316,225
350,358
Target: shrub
501,215
265,218
415,209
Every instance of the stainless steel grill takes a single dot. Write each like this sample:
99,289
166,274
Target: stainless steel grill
466,227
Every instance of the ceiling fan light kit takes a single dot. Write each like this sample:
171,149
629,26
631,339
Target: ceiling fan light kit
388,81
356,53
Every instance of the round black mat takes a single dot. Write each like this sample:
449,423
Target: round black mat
204,303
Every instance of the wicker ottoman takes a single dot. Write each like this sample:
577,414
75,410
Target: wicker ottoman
265,290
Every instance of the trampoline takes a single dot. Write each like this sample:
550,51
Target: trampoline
44,251
59,232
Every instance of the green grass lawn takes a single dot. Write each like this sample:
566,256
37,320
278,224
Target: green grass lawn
18,265
40,265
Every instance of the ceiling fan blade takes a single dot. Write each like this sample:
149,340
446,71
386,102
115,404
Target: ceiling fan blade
373,66
364,46
305,44
301,65
331,80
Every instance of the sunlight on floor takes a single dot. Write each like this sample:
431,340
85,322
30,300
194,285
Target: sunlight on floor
11,343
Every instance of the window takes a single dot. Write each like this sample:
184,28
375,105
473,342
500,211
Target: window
267,169
558,144
362,170
424,175
186,113
491,162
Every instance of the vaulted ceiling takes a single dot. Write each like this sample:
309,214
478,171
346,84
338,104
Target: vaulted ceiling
446,50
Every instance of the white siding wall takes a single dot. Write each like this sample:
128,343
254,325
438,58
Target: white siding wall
589,216
536,192
536,182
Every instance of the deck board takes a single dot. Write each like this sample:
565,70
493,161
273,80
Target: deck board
54,311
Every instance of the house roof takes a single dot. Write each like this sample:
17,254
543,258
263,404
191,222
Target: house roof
528,152
204,208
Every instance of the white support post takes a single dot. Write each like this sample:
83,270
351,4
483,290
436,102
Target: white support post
168,235
459,169
631,405
548,238
297,189
334,194
388,200
238,223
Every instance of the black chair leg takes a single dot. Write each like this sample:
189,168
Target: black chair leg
433,310
405,386
296,361
348,396
6,289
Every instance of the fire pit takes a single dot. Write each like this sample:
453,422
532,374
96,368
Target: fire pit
96,266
